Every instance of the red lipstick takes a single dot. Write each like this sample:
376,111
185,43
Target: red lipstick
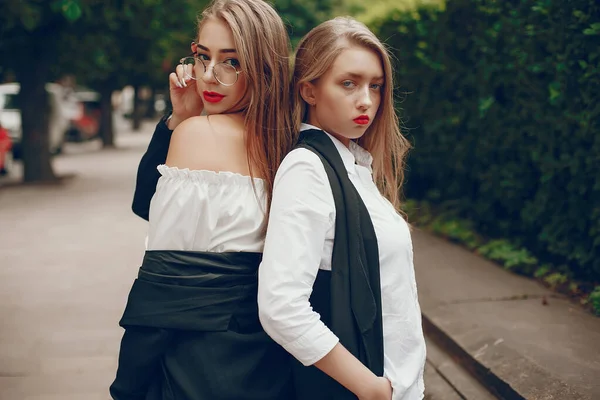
212,97
362,119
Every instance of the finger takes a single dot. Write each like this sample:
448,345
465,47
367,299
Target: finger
188,71
174,81
181,74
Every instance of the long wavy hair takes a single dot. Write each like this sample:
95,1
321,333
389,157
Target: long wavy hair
264,48
314,56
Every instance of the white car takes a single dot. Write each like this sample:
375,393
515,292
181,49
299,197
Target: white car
10,115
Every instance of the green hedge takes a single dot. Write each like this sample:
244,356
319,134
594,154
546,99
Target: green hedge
501,100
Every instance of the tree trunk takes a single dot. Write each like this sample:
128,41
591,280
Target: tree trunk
137,109
107,132
150,111
34,104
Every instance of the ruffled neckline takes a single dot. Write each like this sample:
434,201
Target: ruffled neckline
204,175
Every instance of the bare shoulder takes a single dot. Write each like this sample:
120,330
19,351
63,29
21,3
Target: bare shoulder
204,128
208,143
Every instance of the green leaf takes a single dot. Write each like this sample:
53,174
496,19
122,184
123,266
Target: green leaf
595,300
554,91
485,104
31,17
556,279
71,9
542,271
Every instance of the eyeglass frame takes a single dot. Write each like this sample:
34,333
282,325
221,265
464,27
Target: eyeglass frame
195,57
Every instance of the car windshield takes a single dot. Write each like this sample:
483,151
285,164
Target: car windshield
8,101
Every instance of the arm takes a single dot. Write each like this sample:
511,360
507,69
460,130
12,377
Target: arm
186,104
342,366
301,214
147,175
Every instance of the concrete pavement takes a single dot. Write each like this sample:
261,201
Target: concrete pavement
69,252
68,256
496,323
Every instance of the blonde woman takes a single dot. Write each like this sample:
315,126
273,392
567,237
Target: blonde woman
336,284
191,321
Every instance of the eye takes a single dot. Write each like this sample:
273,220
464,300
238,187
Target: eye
376,86
203,57
233,62
348,84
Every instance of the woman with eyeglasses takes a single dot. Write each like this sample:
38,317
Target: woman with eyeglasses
191,321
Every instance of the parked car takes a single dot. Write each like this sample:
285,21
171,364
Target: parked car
5,152
85,121
10,116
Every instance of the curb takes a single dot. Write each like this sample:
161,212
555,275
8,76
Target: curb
484,375
491,367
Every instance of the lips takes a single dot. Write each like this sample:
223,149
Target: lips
212,97
362,120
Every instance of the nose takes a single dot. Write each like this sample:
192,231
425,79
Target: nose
209,74
364,101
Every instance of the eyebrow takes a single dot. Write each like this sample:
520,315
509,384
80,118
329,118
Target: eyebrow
220,51
360,76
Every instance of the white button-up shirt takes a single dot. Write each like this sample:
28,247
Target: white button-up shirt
299,242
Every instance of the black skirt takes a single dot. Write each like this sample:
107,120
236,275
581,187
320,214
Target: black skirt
192,332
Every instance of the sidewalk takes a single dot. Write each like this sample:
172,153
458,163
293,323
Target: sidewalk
68,256
495,323
69,253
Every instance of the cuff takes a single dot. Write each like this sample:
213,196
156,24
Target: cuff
162,124
315,344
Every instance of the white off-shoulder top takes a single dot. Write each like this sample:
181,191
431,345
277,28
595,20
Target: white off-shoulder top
201,210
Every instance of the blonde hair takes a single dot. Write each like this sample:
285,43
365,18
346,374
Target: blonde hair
314,57
263,46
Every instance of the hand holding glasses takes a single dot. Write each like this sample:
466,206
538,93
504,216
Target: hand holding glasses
184,97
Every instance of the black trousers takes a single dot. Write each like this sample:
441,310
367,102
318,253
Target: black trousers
192,332
162,364
139,369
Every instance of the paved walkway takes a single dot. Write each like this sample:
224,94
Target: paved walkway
69,253
498,324
68,256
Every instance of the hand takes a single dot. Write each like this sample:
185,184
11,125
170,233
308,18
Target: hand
184,97
379,389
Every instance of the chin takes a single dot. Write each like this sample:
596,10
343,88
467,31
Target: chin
357,133
212,108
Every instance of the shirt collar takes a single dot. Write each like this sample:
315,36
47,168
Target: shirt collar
354,154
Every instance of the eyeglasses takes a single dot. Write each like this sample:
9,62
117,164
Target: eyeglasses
194,67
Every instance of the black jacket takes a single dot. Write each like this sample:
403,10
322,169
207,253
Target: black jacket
147,174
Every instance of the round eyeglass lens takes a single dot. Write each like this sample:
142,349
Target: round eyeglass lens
225,73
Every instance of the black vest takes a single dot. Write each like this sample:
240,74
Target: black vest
348,297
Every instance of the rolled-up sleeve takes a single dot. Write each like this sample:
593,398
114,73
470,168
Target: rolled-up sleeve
302,212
